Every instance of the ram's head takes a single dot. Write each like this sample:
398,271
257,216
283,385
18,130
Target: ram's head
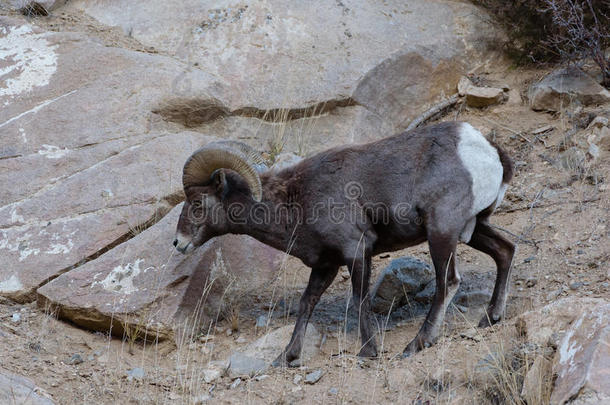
213,175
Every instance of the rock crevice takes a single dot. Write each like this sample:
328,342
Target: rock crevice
195,112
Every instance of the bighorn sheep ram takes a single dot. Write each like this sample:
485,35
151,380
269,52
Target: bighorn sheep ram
340,207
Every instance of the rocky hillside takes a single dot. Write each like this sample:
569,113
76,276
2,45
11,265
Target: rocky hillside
103,101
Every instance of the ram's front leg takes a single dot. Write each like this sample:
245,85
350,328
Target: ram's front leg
360,269
319,280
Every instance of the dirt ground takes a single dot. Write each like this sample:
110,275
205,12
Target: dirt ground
558,218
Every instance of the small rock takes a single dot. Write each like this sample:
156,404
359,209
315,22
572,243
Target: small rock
314,376
16,318
241,340
576,285
135,374
529,259
261,321
269,346
297,379
241,365
598,122
484,96
333,391
235,383
554,294
472,334
530,282
75,359
261,377
211,374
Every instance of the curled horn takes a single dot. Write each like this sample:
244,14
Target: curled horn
232,155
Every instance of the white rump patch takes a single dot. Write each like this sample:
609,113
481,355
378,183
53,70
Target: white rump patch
481,160
33,59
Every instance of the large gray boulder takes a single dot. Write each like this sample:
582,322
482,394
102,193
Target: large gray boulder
399,283
144,286
565,86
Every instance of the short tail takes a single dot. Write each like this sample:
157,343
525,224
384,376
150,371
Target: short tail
507,164
507,174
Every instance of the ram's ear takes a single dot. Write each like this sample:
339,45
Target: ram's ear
219,182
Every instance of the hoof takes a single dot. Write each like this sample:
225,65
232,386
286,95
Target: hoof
415,346
285,361
487,321
280,361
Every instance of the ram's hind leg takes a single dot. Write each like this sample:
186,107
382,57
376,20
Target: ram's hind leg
488,241
442,250
319,280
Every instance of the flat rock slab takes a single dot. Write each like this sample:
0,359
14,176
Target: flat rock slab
146,287
296,54
15,389
78,175
565,86
59,227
